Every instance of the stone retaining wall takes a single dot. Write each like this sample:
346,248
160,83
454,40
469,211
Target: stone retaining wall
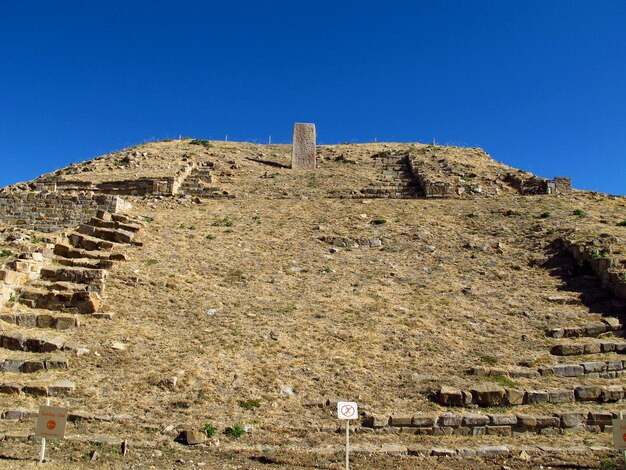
612,276
487,395
53,211
474,424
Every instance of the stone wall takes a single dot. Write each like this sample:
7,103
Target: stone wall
53,211
158,186
611,274
536,185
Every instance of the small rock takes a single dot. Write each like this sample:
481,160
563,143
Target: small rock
82,351
287,390
212,311
169,383
118,345
375,242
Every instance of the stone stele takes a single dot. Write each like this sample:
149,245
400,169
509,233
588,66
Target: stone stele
303,148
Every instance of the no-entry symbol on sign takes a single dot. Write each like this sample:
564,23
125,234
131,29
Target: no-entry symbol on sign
347,410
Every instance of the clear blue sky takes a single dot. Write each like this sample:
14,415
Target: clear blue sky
541,85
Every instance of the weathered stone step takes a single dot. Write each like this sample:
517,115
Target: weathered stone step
114,225
41,320
18,341
65,286
73,416
70,302
32,365
578,349
74,275
592,369
39,389
85,242
488,395
113,235
474,424
67,251
83,263
607,325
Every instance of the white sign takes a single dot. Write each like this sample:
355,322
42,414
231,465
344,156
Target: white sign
347,410
619,433
51,422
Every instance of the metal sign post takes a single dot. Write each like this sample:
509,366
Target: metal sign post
347,410
42,450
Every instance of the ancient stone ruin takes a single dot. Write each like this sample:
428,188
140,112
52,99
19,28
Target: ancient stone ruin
303,155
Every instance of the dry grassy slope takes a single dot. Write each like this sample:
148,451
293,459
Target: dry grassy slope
453,281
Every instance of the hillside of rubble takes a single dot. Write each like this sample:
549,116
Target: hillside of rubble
474,311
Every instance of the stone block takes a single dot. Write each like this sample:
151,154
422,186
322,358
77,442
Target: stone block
588,392
593,348
600,418
472,420
548,421
423,421
10,389
595,329
526,421
36,390
488,394
568,370
551,431
442,452
32,366
191,437
61,388
493,451
536,397
498,430
450,396
465,453
568,349
514,397
401,420
303,154
596,366
611,393
450,420
572,419
503,420
561,396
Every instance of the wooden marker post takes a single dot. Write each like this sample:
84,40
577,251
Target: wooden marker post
347,410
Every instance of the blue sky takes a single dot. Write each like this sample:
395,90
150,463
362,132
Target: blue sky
540,85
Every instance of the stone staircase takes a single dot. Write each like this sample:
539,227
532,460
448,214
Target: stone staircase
396,180
53,293
198,184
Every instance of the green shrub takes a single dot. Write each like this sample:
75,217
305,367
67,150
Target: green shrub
225,222
152,261
249,404
209,429
202,142
580,213
608,464
210,237
545,214
235,431
622,223
379,221
487,359
5,253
